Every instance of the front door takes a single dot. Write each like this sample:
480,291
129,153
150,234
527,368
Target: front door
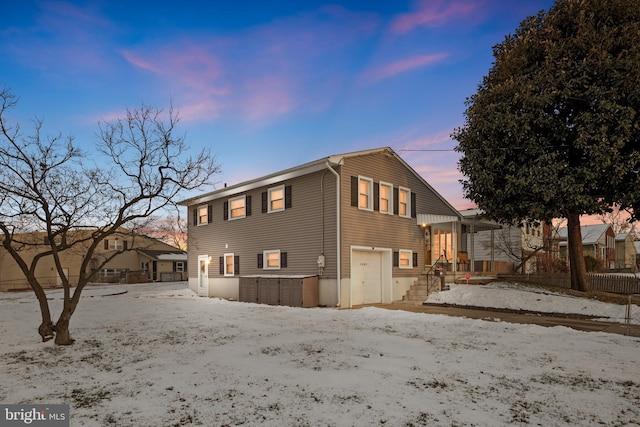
203,275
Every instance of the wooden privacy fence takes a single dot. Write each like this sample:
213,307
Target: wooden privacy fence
614,283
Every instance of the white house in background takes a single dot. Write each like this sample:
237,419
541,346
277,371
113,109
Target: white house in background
503,246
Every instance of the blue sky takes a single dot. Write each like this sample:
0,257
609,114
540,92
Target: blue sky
266,85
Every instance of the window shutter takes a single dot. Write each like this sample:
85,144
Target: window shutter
283,260
414,208
209,214
106,244
376,196
287,197
415,259
354,191
236,264
396,259
265,202
222,266
396,201
195,216
174,266
247,205
226,211
260,261
125,245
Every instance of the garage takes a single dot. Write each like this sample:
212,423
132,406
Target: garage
369,284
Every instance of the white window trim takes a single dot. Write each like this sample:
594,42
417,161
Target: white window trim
117,245
410,258
233,264
269,210
244,199
265,259
206,208
369,182
389,186
408,192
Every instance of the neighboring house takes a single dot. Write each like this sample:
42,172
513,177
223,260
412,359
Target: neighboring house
364,224
626,252
636,245
506,248
143,259
598,241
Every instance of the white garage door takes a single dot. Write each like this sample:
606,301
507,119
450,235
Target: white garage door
366,277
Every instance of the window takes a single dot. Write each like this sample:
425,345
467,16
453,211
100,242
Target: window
115,245
179,266
276,199
386,198
405,259
237,208
365,193
271,260
229,266
203,215
404,202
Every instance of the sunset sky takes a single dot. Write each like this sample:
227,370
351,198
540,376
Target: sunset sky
266,84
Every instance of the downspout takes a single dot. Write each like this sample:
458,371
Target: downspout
338,235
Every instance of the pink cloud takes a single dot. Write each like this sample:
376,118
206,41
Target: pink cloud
267,98
401,66
432,13
138,62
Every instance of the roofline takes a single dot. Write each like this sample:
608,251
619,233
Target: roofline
305,169
283,175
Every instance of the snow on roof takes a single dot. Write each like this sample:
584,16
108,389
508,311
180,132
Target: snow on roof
590,233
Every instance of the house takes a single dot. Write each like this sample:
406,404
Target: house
636,245
362,224
626,252
598,241
506,248
143,259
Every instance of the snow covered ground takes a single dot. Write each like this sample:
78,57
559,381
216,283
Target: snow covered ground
160,356
523,297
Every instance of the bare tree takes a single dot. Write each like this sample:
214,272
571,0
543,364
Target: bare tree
170,229
519,249
55,199
619,220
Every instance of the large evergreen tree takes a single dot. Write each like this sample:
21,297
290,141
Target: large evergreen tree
554,128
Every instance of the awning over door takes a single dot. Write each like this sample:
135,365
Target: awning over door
430,219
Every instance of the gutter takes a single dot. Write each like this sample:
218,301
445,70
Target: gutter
338,231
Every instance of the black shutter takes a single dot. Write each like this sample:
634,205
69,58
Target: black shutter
236,264
209,214
126,244
354,191
396,259
396,201
260,261
414,208
226,211
247,206
195,216
283,260
222,266
287,197
106,244
415,259
265,202
376,196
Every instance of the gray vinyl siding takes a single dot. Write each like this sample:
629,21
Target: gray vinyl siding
303,231
374,229
482,244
